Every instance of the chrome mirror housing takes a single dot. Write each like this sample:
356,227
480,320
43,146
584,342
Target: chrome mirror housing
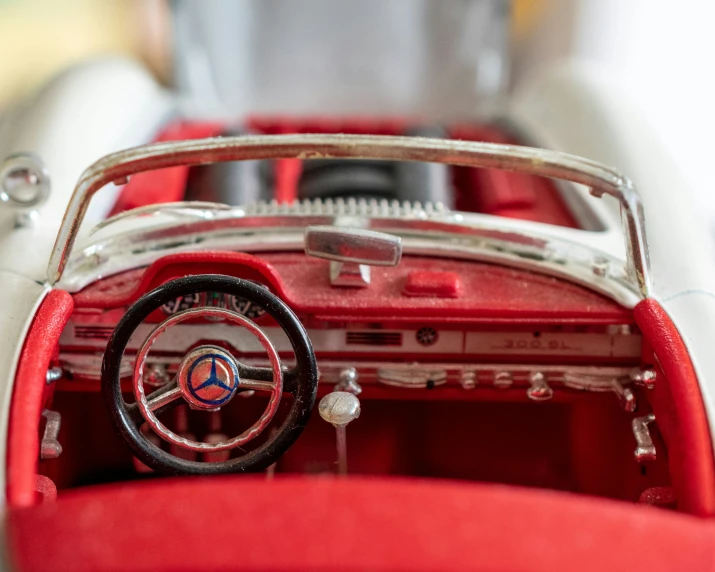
352,251
357,245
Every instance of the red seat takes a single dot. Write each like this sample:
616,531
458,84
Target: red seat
294,523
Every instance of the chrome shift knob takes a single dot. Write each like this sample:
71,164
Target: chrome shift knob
339,408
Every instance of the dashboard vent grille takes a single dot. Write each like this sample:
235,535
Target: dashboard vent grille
93,332
372,208
373,338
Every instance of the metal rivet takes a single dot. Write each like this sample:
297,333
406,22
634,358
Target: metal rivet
600,266
53,374
503,379
469,380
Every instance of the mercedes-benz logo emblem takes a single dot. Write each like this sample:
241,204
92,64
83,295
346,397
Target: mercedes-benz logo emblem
427,336
208,377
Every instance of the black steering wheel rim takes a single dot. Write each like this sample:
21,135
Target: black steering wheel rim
305,374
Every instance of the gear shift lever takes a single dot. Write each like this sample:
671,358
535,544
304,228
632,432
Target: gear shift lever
340,408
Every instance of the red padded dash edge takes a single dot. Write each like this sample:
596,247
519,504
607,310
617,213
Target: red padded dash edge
190,263
23,446
314,523
680,413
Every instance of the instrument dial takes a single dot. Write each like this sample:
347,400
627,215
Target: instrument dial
214,300
246,308
183,303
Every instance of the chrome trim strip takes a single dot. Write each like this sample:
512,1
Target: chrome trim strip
86,366
599,178
564,253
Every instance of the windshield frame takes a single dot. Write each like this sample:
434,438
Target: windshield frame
600,179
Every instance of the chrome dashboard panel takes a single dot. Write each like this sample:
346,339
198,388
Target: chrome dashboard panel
574,258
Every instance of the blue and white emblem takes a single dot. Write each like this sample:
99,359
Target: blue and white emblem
208,377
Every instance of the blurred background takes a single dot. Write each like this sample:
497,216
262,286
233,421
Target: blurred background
39,38
657,52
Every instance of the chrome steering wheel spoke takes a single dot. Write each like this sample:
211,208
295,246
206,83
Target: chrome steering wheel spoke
167,395
257,385
258,378
159,401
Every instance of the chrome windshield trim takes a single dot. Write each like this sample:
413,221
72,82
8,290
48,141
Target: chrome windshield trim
599,178
570,254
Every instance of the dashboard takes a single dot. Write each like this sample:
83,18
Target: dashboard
424,324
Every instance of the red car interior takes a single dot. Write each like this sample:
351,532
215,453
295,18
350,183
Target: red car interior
413,451
300,524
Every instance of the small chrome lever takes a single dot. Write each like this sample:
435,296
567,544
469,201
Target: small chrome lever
626,397
645,450
50,447
539,389
352,251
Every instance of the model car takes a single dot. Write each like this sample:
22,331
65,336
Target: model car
356,343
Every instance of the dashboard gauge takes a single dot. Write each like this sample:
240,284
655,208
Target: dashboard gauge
183,303
246,308
215,300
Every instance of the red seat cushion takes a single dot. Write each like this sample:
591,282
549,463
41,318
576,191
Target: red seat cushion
294,523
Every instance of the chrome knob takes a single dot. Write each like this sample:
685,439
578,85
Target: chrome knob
349,381
339,408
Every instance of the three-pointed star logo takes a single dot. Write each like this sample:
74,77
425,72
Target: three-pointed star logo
208,378
213,379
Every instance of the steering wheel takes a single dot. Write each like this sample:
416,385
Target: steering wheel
209,377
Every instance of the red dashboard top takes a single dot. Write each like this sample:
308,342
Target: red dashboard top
451,290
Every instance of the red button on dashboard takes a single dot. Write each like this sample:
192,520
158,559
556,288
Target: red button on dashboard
428,284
